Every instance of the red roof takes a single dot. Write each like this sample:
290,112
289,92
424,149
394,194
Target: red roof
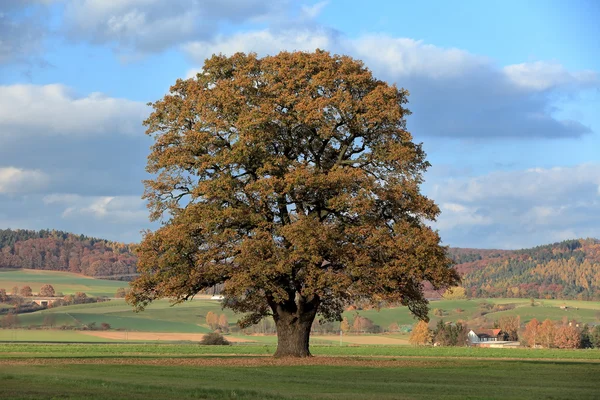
488,332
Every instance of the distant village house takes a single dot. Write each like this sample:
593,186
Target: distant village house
490,338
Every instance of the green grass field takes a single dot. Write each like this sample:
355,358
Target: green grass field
243,372
189,317
64,282
78,350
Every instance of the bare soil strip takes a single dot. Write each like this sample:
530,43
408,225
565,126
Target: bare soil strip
196,337
152,336
237,360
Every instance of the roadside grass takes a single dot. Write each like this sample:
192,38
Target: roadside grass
412,379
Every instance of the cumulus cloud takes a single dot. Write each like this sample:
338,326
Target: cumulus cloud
153,25
121,218
263,42
16,180
54,110
453,93
541,75
521,208
114,209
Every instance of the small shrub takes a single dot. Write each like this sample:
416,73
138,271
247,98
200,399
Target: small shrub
214,339
503,307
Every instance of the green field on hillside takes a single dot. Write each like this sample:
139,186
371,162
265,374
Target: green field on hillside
65,282
189,317
103,371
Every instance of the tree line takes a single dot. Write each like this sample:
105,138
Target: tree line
563,334
61,251
564,270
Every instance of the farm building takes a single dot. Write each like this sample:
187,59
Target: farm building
45,301
486,335
490,338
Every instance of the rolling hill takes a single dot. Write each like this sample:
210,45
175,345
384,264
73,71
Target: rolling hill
564,270
62,251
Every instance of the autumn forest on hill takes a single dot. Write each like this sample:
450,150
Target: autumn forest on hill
61,251
565,270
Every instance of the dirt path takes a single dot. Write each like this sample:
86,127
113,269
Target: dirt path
196,337
221,360
120,335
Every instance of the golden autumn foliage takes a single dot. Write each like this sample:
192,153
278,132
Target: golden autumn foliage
455,293
345,325
292,181
421,334
212,320
567,337
547,333
47,290
26,291
223,323
531,333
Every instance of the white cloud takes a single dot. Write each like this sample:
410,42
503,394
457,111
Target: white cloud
453,93
114,209
520,208
550,184
404,57
16,180
154,25
50,110
262,42
541,75
455,214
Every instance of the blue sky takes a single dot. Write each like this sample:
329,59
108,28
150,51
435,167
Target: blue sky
505,97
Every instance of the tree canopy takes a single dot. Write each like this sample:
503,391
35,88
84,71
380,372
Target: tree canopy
292,180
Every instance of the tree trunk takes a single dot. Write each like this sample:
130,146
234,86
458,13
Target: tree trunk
293,329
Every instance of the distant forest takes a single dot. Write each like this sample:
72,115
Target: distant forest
62,251
565,270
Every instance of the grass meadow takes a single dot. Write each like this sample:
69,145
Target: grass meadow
103,371
189,317
70,363
65,282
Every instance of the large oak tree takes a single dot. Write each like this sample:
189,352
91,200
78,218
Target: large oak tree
293,181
